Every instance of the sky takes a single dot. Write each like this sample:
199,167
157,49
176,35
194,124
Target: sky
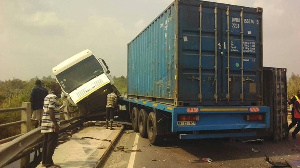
37,35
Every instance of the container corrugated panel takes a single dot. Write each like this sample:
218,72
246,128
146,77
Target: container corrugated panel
199,53
275,96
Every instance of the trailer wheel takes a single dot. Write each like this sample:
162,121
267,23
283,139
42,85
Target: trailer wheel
152,129
134,119
143,117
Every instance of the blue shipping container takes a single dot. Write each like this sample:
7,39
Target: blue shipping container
199,53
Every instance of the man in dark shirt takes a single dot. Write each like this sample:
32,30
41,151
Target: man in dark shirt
37,96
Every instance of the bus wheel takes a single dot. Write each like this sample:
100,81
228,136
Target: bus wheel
134,119
143,117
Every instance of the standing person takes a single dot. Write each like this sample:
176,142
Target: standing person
297,118
110,107
65,107
295,111
37,96
50,125
292,101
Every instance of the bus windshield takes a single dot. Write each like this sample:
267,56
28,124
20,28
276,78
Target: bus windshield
79,74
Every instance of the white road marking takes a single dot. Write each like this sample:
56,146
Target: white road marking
132,156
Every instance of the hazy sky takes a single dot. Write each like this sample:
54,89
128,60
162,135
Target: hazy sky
37,35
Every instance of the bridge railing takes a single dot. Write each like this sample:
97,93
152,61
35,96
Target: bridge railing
19,147
25,122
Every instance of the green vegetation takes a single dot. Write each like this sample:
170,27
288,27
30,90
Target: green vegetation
121,84
12,94
293,85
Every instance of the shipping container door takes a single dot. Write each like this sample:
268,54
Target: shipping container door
195,89
220,57
242,55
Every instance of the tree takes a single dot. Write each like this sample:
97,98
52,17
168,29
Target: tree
293,85
121,84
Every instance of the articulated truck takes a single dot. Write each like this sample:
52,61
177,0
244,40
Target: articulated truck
86,81
197,71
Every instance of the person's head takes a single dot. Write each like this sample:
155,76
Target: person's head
38,82
55,88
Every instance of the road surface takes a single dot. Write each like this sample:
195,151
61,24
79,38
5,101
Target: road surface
134,151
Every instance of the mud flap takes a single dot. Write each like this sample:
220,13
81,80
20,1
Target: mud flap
164,122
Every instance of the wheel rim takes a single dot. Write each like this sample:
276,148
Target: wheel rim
141,124
150,130
133,117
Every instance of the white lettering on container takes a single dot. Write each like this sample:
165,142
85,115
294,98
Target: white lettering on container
235,23
249,46
233,47
238,20
249,21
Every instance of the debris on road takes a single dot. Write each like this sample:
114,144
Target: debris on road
195,161
293,163
277,164
255,150
119,148
254,141
209,160
95,139
123,149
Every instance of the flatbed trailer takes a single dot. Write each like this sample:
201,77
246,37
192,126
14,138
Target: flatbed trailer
155,120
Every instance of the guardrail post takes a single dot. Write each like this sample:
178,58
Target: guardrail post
26,116
25,127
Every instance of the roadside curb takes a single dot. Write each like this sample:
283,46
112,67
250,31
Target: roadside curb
110,148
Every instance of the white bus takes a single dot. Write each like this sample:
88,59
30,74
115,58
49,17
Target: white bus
85,79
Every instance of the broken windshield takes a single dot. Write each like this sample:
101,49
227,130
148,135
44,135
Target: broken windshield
79,74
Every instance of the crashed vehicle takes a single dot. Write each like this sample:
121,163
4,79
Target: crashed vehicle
86,81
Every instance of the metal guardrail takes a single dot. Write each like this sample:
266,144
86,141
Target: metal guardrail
25,121
20,146
16,146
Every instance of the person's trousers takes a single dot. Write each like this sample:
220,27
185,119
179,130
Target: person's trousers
49,145
109,114
297,129
293,123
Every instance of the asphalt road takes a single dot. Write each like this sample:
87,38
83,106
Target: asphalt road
134,151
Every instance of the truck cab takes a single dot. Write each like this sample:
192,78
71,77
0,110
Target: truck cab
86,80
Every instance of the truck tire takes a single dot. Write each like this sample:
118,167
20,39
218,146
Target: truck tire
134,119
143,117
152,129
